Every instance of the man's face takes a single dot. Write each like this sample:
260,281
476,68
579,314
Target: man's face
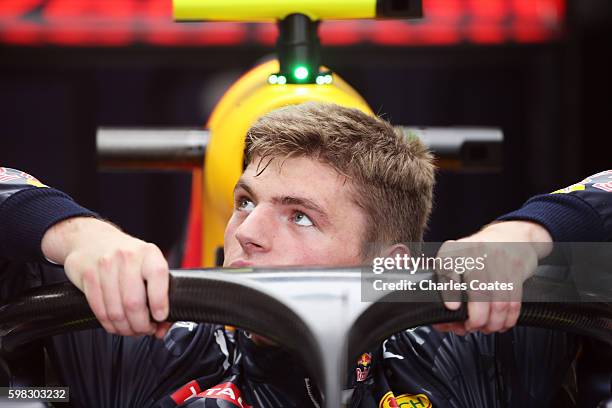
297,212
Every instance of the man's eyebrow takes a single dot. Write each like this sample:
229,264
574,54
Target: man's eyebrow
304,202
245,186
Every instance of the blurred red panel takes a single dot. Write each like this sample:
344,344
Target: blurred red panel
546,11
120,36
165,34
560,5
523,8
392,33
15,8
161,9
398,33
67,9
341,32
21,33
440,34
266,33
530,31
158,13
82,34
68,35
220,34
486,32
124,9
198,34
123,22
487,9
444,9
90,22
537,20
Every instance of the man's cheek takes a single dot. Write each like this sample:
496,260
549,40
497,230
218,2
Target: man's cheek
312,251
286,250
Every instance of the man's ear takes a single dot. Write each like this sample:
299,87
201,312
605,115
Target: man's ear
396,249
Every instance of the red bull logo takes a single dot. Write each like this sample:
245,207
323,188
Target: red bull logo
365,360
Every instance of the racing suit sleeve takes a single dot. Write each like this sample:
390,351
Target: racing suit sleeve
28,209
581,212
101,370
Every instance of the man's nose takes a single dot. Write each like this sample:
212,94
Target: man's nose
256,231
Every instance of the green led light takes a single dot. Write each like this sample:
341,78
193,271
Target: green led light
281,80
320,80
328,79
273,79
300,73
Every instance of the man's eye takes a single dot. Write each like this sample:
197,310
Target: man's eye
302,219
244,204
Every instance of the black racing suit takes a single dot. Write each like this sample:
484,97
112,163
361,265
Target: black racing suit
205,365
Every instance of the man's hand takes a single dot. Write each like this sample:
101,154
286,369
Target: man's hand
116,272
505,263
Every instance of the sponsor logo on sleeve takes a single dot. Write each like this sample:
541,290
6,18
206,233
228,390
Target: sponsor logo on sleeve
12,176
607,187
574,187
7,175
597,177
404,401
598,181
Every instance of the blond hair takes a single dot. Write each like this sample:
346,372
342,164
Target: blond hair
392,174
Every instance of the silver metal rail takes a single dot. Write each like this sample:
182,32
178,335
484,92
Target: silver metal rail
457,148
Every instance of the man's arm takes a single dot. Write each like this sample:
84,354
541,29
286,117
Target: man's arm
117,273
28,209
580,212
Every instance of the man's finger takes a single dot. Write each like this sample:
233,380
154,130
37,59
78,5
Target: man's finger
497,317
109,281
155,272
93,294
478,313
134,296
514,312
449,274
451,298
452,305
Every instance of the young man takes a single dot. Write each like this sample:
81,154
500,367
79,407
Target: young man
323,185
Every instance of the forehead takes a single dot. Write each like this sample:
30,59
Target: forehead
295,175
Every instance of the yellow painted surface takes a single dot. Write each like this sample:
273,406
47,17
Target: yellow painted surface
270,10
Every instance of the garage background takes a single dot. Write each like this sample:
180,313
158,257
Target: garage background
538,69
